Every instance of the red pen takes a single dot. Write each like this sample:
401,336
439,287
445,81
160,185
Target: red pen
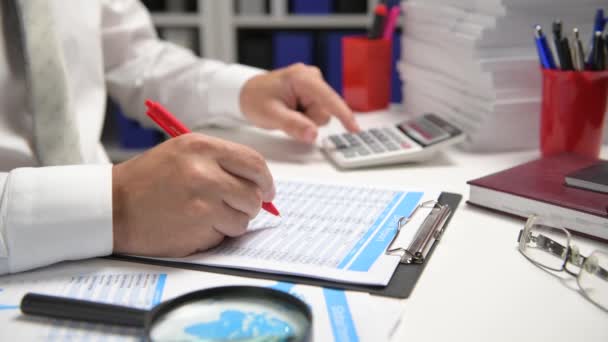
174,128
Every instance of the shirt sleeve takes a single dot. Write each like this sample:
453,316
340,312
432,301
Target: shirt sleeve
52,214
138,65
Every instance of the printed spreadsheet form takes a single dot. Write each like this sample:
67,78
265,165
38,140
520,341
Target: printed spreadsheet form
332,232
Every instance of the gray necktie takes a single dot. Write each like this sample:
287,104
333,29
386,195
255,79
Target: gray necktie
56,139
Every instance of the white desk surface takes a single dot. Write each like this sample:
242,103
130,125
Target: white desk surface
477,286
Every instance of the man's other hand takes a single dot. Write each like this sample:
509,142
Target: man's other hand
295,100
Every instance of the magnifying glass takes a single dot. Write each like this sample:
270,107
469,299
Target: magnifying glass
243,313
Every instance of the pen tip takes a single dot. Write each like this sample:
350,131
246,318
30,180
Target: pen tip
381,10
269,207
149,103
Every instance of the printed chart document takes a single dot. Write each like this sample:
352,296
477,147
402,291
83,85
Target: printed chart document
333,232
337,315
129,288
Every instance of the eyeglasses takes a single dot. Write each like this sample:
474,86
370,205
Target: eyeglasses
551,248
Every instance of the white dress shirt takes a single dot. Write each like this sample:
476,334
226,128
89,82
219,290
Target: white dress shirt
50,214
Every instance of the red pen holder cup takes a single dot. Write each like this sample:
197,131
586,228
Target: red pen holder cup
573,110
366,73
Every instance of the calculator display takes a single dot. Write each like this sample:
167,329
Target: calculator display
428,129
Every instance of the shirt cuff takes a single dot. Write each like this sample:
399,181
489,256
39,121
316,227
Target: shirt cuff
225,91
57,213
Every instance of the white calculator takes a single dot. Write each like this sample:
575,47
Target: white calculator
413,140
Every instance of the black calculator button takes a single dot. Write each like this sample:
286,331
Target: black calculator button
379,135
393,135
349,153
366,137
383,138
375,132
377,148
338,142
351,139
362,151
390,146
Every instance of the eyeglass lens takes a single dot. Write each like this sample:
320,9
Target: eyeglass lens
544,245
593,278
548,247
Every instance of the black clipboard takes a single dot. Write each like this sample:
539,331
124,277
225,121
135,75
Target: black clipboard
401,284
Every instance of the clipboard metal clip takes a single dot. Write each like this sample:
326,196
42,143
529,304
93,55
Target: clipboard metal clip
430,231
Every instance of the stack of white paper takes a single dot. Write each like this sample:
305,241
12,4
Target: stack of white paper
475,62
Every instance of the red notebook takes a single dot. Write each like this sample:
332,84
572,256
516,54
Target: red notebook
538,187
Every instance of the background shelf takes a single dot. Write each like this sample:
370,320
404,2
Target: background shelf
263,33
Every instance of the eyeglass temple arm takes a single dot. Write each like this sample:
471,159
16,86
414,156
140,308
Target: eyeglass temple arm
558,249
546,244
579,260
601,273
593,267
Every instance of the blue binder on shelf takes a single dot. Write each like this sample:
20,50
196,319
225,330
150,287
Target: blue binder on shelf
291,47
132,135
311,6
331,56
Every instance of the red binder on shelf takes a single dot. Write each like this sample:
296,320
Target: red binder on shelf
538,187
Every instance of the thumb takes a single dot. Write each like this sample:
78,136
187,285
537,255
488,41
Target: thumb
294,123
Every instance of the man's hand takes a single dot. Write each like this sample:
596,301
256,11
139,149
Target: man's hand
186,195
294,99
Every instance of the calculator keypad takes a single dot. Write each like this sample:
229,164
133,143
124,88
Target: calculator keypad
370,142
338,142
352,140
362,151
412,140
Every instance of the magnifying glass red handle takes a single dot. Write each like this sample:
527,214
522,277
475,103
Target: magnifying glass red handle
82,310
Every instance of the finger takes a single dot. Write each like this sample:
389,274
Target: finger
246,163
321,93
294,123
209,238
318,115
241,194
231,222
